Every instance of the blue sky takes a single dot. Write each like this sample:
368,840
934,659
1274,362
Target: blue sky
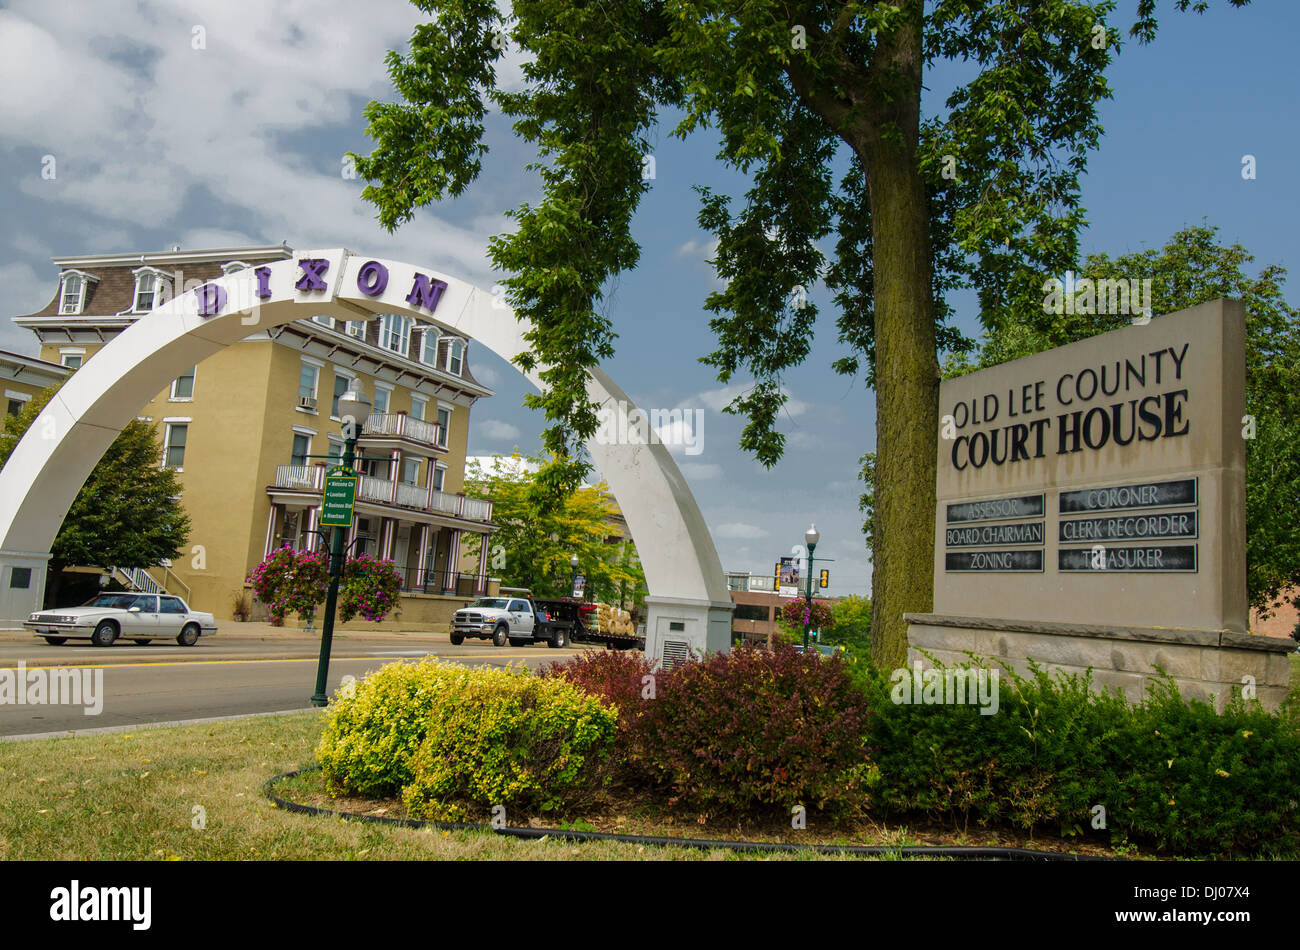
158,143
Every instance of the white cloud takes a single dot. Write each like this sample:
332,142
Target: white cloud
28,293
486,374
701,471
719,399
497,430
738,529
702,250
140,122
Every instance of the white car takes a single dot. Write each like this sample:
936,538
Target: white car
138,617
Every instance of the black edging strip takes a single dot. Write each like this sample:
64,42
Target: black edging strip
943,851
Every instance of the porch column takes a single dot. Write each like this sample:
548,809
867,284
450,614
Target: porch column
313,523
388,535
270,529
481,586
453,561
423,555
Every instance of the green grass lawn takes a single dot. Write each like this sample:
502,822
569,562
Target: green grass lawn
137,796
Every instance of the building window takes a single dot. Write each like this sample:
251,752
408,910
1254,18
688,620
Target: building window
15,407
444,426
335,451
429,347
455,355
357,328
183,385
439,476
411,471
72,297
323,319
395,333
307,380
72,358
301,449
381,399
418,407
174,447
341,384
233,267
149,287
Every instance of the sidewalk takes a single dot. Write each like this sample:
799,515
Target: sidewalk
293,632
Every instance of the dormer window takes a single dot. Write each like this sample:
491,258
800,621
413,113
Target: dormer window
72,292
150,289
395,333
451,354
429,346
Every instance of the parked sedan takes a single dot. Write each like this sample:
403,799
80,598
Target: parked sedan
138,617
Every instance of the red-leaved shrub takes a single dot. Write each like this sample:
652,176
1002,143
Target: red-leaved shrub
742,731
757,727
628,681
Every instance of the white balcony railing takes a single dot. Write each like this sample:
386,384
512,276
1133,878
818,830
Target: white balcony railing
376,489
384,491
398,425
411,496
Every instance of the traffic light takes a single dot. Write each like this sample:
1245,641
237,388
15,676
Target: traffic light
825,580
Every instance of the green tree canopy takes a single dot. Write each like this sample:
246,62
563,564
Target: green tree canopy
537,537
1195,267
127,514
980,194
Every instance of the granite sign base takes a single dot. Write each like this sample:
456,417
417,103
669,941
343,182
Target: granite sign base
1208,665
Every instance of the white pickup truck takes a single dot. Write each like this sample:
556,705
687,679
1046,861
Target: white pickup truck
512,619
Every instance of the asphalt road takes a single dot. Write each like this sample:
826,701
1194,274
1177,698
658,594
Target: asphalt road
221,676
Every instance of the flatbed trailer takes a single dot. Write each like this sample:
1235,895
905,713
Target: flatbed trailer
584,627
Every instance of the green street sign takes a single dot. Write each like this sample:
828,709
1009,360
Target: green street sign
340,495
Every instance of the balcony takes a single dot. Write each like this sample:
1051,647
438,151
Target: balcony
384,491
398,426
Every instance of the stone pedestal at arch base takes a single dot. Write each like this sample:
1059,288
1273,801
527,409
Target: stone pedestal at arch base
16,603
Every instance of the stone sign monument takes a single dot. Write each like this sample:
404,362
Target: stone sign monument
1091,512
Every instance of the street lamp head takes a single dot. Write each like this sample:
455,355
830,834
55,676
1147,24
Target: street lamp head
811,537
573,562
354,406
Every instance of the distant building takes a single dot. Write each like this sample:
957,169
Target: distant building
22,377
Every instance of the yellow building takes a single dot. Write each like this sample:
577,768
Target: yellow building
252,429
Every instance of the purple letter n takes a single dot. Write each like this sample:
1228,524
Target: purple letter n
425,293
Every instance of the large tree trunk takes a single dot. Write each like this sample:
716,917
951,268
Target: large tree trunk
907,367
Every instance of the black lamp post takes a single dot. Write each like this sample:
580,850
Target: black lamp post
354,410
573,577
811,537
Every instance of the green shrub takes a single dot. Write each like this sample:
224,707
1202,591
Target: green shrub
1210,783
1167,771
374,729
511,739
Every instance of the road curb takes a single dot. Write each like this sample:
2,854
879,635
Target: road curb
103,730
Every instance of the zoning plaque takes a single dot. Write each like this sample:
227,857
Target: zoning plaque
997,509
1022,561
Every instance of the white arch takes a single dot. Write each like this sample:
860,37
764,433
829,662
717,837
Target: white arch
55,457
